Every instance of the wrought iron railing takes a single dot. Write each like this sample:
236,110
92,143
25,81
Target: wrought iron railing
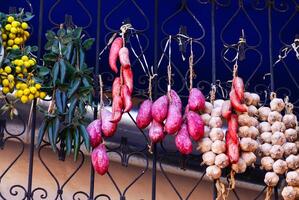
154,22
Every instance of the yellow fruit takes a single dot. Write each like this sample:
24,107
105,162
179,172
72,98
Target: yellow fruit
4,44
42,95
15,23
18,69
26,91
25,70
7,69
36,95
31,97
25,58
13,30
31,62
20,75
24,25
1,70
31,82
4,36
26,33
5,90
18,85
15,46
20,62
17,41
10,19
11,85
10,77
10,42
24,99
23,86
26,64
8,27
5,82
38,86
19,93
12,36
32,90
21,40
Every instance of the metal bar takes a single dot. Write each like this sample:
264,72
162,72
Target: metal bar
213,37
40,27
154,172
270,7
31,150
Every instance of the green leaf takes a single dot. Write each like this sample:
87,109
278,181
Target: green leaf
61,33
74,87
68,51
41,132
77,32
55,130
85,137
68,142
63,100
50,35
50,57
82,58
55,72
88,43
72,109
58,100
76,144
43,71
51,135
62,70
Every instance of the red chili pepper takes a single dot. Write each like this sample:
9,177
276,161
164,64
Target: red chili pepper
226,109
117,105
233,127
236,103
124,58
116,87
113,54
128,78
238,86
126,98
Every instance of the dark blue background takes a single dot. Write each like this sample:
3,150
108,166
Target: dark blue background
141,14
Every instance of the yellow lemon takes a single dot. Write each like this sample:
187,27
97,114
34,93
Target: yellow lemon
26,91
38,86
15,24
42,95
10,19
7,69
15,46
17,40
31,62
4,44
13,30
5,82
31,81
12,36
32,90
5,90
31,97
24,25
20,75
26,33
19,93
1,70
36,95
25,70
23,86
11,85
18,85
18,69
25,58
10,43
10,77
24,99
8,27
26,64
20,62
4,36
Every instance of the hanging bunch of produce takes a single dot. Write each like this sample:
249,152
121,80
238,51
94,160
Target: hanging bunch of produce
122,87
67,79
278,148
19,70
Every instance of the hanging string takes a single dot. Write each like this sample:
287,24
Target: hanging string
163,54
150,79
169,65
269,193
213,93
221,191
289,106
191,65
232,182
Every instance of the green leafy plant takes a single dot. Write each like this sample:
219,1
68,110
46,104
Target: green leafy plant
68,79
